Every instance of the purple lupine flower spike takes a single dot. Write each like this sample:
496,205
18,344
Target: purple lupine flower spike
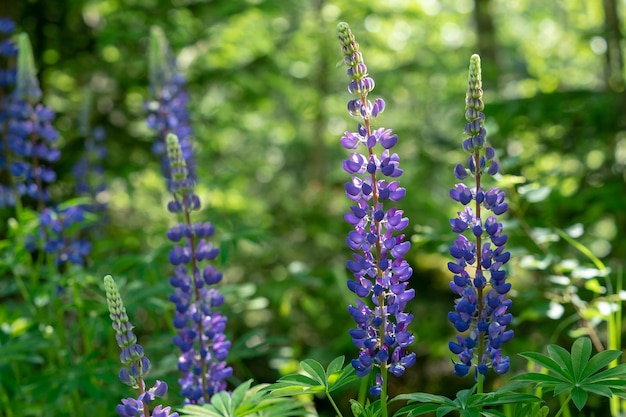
380,272
200,326
481,312
136,365
168,110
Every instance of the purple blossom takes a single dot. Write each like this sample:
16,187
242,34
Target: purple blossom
168,109
28,148
59,229
136,365
204,347
380,273
481,312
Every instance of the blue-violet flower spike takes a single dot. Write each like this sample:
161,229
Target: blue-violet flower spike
200,326
380,273
481,312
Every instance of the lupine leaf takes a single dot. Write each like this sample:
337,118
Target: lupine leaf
539,378
618,371
444,410
546,362
512,398
345,377
239,393
315,370
471,412
464,395
581,351
221,402
579,397
563,358
423,397
562,387
299,379
492,413
599,389
416,409
599,361
336,365
198,411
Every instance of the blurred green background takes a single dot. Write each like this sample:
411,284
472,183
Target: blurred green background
268,106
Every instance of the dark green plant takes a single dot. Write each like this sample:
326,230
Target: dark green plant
577,374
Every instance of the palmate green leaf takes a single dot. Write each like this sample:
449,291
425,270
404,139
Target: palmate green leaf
581,352
492,413
246,401
547,363
340,378
239,393
579,397
471,412
599,361
618,371
315,381
299,379
534,377
510,398
463,396
336,365
422,397
445,410
415,410
563,358
315,370
599,390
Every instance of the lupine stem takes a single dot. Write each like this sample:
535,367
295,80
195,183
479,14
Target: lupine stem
564,406
378,266
332,402
196,290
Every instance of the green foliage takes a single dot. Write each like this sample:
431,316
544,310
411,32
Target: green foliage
315,380
468,403
246,400
578,374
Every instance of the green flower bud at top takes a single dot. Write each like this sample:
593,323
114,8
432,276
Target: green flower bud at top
27,86
178,166
474,106
158,56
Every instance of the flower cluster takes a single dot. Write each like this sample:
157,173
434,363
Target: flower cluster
8,50
58,229
28,151
136,365
168,110
30,136
481,312
200,327
379,269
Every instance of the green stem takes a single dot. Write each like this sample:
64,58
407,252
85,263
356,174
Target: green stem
6,404
479,383
564,406
383,394
332,402
364,383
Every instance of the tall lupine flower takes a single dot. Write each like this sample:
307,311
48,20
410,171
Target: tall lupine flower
380,272
30,135
8,51
30,142
136,365
168,109
200,327
481,312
